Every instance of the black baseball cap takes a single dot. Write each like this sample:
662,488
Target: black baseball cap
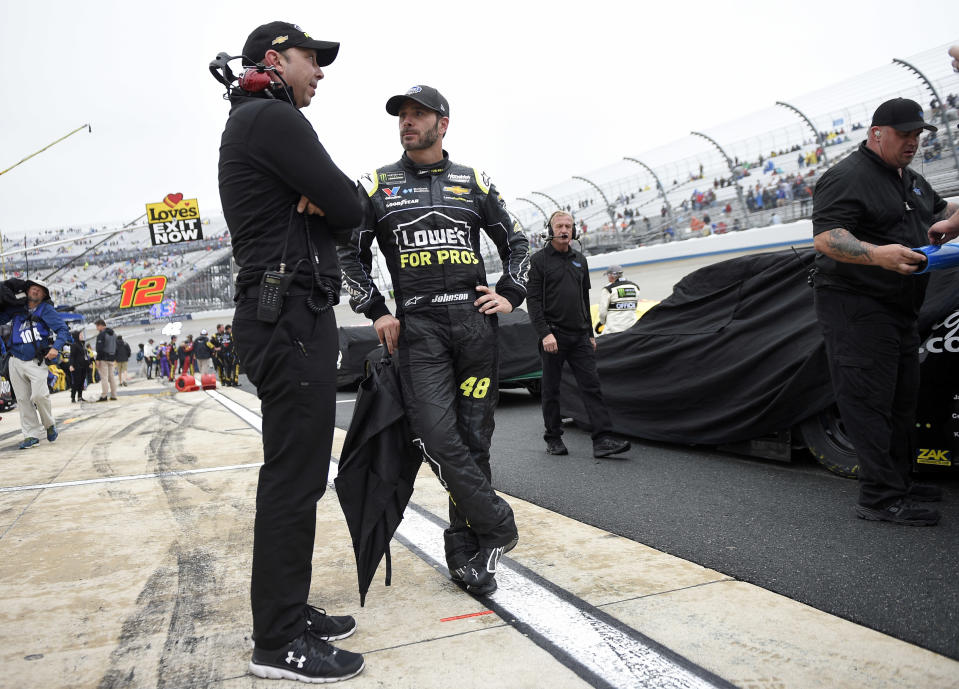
902,114
283,35
424,95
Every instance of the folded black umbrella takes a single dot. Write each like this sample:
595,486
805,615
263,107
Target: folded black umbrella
377,469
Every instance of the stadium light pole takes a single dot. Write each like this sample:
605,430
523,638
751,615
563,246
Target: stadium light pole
609,208
942,110
536,206
816,133
546,196
659,187
732,171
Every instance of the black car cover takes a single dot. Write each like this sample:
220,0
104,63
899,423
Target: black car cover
733,354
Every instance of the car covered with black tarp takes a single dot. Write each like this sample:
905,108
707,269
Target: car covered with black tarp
735,357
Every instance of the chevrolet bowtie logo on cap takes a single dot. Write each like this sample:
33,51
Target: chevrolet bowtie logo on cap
280,39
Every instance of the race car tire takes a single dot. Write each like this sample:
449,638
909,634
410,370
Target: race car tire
825,436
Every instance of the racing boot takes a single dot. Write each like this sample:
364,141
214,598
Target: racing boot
480,571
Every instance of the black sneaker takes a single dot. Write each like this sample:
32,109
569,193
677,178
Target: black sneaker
610,446
307,658
329,627
899,512
923,492
457,575
481,569
556,447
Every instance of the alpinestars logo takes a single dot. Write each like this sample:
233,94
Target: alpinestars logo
412,301
440,232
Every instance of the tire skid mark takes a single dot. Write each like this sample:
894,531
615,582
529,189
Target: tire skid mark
153,608
185,659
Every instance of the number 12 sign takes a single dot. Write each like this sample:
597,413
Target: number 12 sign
142,291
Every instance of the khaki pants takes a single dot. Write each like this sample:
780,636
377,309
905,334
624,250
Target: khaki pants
105,369
29,383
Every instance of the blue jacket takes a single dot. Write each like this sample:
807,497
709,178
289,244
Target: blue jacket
48,328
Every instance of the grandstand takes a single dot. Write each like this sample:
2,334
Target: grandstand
753,172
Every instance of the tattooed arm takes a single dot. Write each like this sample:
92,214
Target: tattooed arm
841,245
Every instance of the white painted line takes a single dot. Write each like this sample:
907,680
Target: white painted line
609,653
254,420
346,401
131,477
605,651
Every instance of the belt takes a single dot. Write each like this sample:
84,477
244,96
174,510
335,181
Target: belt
438,299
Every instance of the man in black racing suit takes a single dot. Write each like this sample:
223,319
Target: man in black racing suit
426,213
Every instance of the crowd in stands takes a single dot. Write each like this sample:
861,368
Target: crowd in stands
89,267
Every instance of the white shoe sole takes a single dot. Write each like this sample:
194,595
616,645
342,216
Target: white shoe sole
270,672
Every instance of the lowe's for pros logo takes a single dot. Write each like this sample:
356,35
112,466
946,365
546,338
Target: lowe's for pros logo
945,336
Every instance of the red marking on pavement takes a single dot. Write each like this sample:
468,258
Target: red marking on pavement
463,617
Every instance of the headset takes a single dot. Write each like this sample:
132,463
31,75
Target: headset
548,226
254,79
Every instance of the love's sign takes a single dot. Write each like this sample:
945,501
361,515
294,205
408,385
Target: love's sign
174,220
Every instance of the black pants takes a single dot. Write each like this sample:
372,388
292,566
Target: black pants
449,374
78,378
576,350
873,353
292,364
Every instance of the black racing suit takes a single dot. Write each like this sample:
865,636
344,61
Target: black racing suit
427,222
869,314
269,157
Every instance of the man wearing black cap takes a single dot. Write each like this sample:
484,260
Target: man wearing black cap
271,166
868,210
38,335
426,213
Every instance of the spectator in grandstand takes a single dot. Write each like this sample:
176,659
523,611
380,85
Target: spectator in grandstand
106,360
78,366
558,300
271,164
123,360
38,335
868,210
617,303
203,353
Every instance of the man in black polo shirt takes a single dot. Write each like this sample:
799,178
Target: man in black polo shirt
558,299
867,211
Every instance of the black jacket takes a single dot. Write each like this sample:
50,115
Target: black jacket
78,354
123,350
106,345
866,196
558,291
269,157
427,221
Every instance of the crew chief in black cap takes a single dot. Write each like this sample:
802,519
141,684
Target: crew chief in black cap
271,166
867,211
426,213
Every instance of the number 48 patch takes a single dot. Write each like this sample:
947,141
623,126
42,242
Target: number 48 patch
472,387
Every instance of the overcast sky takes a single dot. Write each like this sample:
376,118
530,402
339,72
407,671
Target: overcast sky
538,91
